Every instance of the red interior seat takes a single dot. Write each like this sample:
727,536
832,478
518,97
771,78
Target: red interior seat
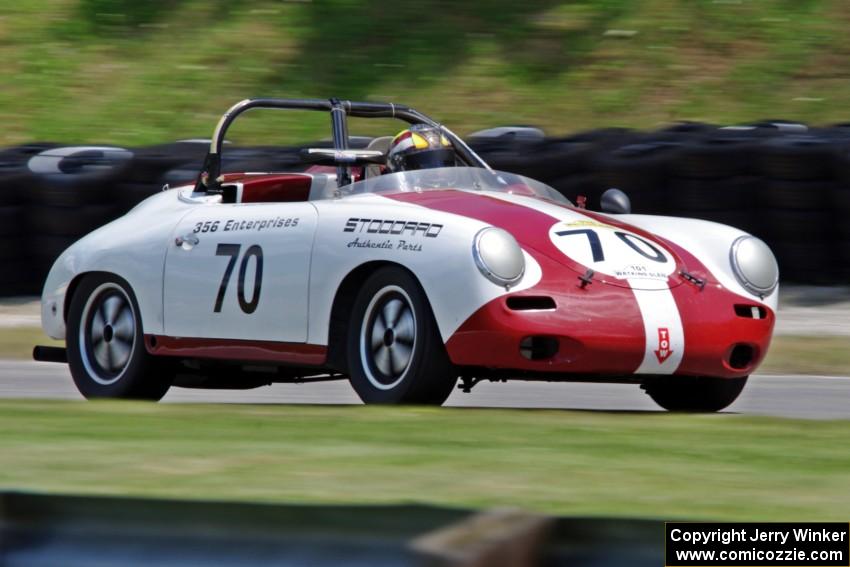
276,188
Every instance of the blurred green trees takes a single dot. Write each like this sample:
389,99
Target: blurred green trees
134,72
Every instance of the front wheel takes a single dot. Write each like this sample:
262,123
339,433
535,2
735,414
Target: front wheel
106,350
694,393
395,352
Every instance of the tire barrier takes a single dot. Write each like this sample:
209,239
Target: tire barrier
782,181
70,196
17,272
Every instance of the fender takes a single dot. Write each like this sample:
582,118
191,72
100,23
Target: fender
367,228
708,241
122,247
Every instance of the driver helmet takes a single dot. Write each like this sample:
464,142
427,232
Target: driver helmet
420,147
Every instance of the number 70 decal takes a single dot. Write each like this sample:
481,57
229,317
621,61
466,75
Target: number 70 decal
233,250
636,243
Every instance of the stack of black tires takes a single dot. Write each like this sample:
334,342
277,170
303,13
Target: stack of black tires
16,266
800,182
839,206
713,178
70,195
51,195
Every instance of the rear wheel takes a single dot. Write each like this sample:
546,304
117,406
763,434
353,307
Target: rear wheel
395,353
694,393
106,351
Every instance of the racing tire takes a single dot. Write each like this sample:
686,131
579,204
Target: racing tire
106,350
844,260
695,394
16,278
75,176
697,195
641,166
719,155
554,158
522,163
811,227
13,248
150,164
69,221
798,158
687,127
58,190
12,222
807,260
840,200
394,349
796,195
14,185
44,250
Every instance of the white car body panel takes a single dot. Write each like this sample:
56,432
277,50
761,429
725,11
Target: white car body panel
132,247
194,273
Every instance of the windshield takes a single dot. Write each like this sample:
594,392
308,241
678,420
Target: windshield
469,178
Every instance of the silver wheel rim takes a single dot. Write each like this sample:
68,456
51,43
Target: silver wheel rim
388,337
107,334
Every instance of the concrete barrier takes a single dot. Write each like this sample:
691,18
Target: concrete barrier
76,531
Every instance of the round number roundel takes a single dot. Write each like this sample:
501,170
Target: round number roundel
612,251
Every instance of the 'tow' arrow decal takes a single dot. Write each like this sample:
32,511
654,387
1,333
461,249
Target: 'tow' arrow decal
664,351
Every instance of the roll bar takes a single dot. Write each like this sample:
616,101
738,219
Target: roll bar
339,111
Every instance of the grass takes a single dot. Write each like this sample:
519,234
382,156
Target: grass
134,73
569,463
17,342
787,355
808,355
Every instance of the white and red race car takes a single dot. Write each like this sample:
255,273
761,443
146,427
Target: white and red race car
404,283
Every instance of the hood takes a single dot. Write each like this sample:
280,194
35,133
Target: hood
619,254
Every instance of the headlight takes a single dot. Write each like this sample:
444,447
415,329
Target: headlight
754,265
498,256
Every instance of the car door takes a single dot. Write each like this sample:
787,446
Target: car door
240,271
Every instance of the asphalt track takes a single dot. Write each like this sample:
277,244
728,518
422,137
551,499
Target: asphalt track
809,397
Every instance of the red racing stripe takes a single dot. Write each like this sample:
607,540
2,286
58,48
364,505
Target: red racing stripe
529,227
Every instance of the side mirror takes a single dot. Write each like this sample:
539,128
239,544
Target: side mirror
615,202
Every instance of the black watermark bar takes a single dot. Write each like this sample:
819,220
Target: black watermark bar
757,544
